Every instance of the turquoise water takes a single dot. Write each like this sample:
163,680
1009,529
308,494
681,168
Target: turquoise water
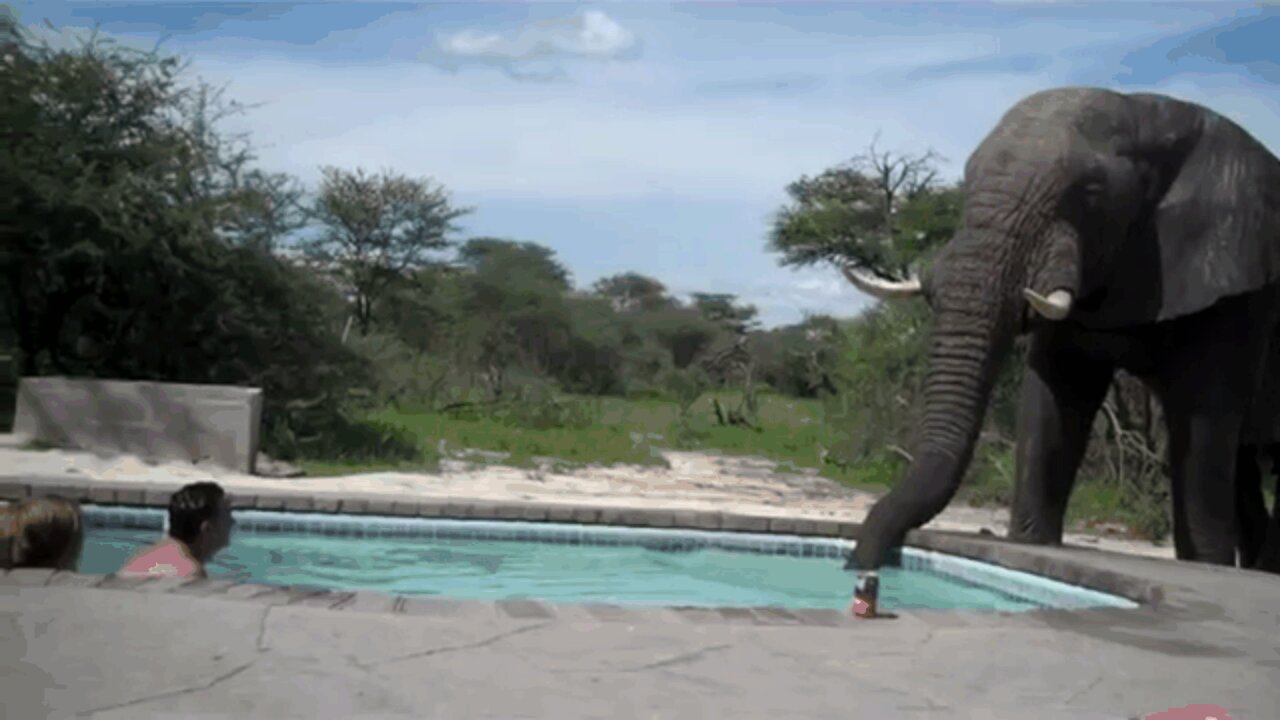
490,569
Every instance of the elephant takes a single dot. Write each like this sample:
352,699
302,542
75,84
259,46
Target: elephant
1258,532
1131,231
1253,520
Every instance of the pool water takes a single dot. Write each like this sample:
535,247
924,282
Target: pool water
571,563
496,569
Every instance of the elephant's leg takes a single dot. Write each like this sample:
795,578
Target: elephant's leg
1061,392
1269,555
1211,372
1251,508
1203,458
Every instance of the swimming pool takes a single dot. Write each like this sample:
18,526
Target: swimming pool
485,560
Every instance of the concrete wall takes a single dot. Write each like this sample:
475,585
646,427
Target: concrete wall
217,424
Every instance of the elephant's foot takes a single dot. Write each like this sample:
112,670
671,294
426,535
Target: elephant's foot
1033,534
1269,558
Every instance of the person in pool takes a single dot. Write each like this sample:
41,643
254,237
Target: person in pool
42,532
200,525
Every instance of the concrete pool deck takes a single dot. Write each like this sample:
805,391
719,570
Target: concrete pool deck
103,647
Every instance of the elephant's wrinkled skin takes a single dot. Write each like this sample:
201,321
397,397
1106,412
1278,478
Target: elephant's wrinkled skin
1134,232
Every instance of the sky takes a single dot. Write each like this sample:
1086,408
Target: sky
660,137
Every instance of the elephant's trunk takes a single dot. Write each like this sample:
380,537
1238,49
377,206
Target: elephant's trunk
970,340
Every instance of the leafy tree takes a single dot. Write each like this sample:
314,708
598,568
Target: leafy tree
268,207
884,213
375,227
422,308
593,358
799,359
722,309
512,302
683,332
631,292
878,379
119,205
531,260
94,141
879,211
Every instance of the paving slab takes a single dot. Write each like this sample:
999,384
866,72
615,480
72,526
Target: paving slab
122,651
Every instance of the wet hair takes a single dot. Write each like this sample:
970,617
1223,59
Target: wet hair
45,532
191,506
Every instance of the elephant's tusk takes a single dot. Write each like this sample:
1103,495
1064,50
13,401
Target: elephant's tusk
882,289
1055,307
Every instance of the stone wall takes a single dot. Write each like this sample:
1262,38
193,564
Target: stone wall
216,424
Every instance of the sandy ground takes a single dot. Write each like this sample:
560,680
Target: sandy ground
695,480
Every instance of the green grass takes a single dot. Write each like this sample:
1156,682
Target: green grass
626,431
632,431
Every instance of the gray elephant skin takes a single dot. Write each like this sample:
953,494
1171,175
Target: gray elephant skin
1120,231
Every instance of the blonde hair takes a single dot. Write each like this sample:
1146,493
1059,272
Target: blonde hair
45,532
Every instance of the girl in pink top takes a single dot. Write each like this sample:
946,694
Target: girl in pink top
200,525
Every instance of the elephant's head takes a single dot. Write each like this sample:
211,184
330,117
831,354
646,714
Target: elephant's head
1082,206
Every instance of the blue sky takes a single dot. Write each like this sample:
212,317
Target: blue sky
659,137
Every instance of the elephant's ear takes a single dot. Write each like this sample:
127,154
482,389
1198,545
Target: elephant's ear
1214,230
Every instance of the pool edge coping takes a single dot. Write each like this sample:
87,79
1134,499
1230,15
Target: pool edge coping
983,548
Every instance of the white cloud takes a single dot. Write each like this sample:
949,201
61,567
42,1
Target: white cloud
591,34
494,138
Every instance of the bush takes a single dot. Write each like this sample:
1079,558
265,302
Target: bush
402,377
686,385
534,404
336,436
877,376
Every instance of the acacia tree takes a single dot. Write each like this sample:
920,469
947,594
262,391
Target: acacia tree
724,310
250,207
879,211
377,227
632,292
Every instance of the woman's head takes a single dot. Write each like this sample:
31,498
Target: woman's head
200,517
46,532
